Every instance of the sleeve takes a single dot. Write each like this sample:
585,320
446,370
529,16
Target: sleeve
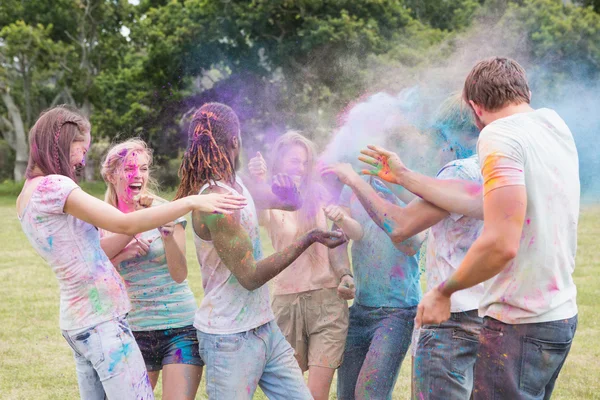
53,192
502,160
456,170
182,221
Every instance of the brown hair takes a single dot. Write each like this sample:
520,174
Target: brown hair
495,83
205,160
113,164
50,141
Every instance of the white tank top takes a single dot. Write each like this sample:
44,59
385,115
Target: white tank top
227,307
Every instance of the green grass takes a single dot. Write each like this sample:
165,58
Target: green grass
36,362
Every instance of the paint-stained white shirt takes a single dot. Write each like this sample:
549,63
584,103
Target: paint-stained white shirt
535,150
91,290
227,307
450,239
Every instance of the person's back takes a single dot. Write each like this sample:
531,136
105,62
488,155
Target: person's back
227,307
537,285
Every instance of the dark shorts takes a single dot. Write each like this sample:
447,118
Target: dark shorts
169,346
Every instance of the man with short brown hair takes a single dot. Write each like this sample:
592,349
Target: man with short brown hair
526,252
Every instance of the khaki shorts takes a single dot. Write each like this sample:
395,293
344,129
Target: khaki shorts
315,323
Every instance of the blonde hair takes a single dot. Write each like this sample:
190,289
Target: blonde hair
311,189
113,164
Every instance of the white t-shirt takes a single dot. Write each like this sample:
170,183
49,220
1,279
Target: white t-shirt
535,150
227,307
91,290
450,239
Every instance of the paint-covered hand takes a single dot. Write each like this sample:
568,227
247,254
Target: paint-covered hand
218,203
331,239
167,230
135,248
385,164
334,213
434,308
143,200
258,168
285,189
346,289
343,171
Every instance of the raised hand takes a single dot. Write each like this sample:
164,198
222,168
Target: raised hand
257,166
385,164
343,171
334,213
217,203
167,229
346,289
284,187
331,239
143,200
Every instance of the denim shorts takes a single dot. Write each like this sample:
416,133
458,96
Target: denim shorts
169,346
109,363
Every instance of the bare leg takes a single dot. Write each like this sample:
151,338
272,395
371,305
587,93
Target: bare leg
181,381
319,381
153,375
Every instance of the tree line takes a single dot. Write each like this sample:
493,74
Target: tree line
139,69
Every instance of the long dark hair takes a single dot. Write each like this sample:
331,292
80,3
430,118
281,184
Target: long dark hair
205,160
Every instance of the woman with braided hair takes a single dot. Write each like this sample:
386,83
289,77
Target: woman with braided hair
239,340
61,223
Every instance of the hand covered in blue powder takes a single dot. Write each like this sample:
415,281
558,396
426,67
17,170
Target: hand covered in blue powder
284,188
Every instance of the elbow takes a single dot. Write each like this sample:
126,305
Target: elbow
507,253
406,249
179,278
503,251
249,284
398,236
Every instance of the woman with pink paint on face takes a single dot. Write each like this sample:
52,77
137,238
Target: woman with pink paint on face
61,222
154,268
309,297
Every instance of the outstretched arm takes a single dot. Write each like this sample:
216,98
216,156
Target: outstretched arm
235,249
401,224
102,215
453,195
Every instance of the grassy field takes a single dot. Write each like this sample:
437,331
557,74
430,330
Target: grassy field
36,362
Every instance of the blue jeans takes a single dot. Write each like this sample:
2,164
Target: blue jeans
109,362
445,358
378,339
237,363
521,361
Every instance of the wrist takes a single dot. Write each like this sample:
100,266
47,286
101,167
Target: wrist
402,176
352,180
445,288
310,237
346,272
